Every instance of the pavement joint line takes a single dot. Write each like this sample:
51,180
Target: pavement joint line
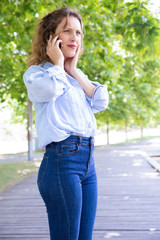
152,162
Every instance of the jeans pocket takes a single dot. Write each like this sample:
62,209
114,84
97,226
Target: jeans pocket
68,148
42,169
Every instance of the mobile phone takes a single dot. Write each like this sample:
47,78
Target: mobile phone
60,44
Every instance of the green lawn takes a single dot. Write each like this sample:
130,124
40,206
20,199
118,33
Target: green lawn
14,172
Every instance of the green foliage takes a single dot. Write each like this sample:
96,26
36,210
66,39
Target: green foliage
121,50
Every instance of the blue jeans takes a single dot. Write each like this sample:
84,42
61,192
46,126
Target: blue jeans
67,182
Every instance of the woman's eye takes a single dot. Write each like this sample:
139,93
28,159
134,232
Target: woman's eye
66,30
79,33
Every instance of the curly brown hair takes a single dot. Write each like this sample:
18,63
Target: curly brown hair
46,26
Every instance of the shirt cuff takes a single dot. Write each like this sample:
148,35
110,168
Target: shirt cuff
91,100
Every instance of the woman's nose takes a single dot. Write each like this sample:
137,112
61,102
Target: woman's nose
74,37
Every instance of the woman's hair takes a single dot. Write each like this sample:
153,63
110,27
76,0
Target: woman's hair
46,27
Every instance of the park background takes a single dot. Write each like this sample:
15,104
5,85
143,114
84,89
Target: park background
122,51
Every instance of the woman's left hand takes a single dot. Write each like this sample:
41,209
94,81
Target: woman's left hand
70,64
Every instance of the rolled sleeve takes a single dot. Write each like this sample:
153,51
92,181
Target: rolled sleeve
44,85
99,100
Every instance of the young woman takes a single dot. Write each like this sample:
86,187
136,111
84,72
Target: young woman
65,101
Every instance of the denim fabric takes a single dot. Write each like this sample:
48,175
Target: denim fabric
68,185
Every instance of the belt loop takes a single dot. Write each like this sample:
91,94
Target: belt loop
92,140
80,140
89,141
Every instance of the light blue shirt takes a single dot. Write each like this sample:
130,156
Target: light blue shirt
61,106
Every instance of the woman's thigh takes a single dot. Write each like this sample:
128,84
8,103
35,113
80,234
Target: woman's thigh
64,207
67,185
89,206
59,182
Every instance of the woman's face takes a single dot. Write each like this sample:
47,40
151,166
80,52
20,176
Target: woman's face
71,36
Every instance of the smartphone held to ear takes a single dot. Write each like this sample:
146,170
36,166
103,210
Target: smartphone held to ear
60,45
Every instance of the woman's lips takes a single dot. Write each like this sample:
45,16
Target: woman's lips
72,46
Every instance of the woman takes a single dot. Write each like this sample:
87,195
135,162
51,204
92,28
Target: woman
64,101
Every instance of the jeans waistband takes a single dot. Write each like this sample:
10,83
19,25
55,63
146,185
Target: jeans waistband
75,139
80,139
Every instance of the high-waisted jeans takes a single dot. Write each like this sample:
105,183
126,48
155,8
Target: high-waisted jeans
67,182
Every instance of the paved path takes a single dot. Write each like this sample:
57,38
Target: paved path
19,157
128,204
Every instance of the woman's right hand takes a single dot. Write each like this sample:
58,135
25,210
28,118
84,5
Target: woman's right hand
54,51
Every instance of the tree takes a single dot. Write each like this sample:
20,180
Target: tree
121,50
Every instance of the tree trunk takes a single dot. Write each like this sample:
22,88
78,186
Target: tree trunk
108,132
30,137
126,131
141,131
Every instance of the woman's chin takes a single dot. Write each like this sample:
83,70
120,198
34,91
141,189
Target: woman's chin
69,55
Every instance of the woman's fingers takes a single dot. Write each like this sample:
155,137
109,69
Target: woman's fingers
54,52
54,41
50,40
75,59
78,50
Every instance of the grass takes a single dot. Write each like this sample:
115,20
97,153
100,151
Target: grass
14,172
133,140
